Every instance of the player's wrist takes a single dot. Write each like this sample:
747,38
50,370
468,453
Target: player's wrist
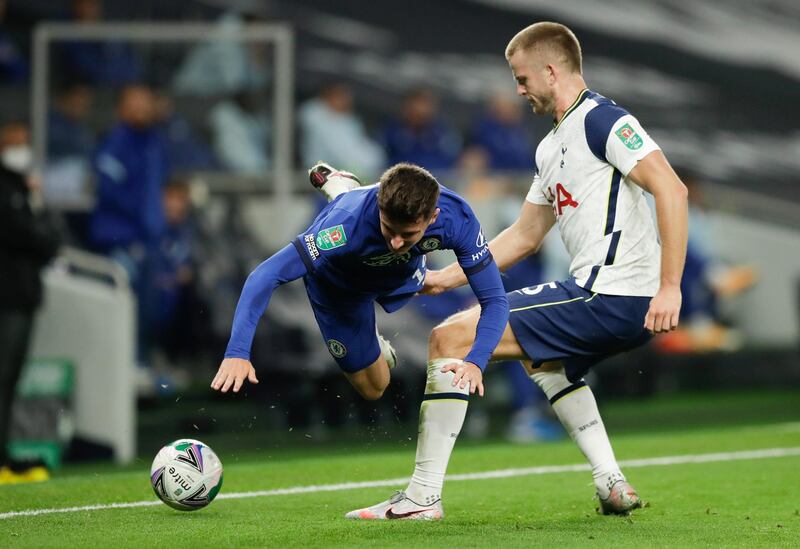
669,285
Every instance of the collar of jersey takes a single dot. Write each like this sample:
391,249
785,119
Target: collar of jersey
578,100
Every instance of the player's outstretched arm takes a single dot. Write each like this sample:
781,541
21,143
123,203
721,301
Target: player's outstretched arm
284,266
511,246
654,174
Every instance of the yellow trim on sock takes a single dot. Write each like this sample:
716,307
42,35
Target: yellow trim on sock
569,394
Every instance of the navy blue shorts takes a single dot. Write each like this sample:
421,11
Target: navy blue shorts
560,321
347,324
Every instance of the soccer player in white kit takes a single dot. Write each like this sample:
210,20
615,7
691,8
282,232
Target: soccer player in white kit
592,169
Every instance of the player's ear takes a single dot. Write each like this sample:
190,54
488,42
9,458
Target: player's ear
434,216
551,73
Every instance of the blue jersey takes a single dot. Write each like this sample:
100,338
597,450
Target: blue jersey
344,247
346,262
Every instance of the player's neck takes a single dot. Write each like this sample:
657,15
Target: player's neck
567,96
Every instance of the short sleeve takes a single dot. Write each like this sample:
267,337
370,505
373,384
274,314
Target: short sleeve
627,144
536,194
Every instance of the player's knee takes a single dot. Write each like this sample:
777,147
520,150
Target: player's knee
371,392
442,341
454,337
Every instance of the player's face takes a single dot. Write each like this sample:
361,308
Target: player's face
401,237
533,79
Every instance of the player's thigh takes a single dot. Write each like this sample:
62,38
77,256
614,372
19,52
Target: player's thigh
455,336
349,332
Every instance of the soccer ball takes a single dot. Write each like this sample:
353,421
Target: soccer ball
186,474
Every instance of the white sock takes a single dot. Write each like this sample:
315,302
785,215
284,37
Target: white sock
337,185
441,417
387,350
576,408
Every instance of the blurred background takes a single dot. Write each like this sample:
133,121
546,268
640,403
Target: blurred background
164,148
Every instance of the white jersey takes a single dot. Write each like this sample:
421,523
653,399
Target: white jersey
603,217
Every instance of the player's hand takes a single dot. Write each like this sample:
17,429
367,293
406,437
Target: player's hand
466,373
233,372
664,310
433,283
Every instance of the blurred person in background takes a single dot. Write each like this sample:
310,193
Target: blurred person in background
70,144
330,130
68,132
186,148
27,243
706,284
175,271
224,64
501,132
131,167
13,65
241,133
420,136
100,62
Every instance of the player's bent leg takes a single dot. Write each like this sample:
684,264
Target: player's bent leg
454,338
441,417
576,408
444,408
372,381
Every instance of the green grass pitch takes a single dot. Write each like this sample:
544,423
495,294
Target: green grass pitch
743,503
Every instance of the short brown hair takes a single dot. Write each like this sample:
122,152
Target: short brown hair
550,37
408,193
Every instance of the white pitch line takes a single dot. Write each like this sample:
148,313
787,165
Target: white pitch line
502,473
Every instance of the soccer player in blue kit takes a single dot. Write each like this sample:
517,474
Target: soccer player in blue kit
592,170
368,246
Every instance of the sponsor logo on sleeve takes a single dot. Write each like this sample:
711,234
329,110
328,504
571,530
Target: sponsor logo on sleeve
629,137
480,243
311,246
332,237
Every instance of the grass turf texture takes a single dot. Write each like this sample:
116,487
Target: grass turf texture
741,503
